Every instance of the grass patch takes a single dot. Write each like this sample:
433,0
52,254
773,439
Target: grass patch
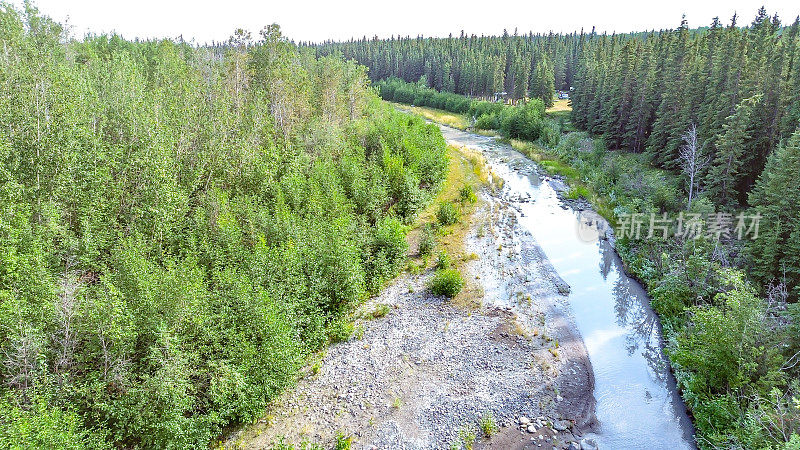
466,168
578,191
443,117
378,311
488,425
560,105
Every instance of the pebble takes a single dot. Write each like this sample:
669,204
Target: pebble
588,444
524,420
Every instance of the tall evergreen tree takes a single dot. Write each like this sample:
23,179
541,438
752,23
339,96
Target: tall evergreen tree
726,170
545,85
776,250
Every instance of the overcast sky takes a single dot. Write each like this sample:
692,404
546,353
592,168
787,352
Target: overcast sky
304,20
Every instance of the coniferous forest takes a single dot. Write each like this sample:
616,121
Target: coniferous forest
184,225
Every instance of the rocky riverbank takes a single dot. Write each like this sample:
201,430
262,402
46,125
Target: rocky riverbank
421,372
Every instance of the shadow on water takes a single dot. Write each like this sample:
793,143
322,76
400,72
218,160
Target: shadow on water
637,401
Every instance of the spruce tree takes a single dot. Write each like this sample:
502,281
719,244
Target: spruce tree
776,250
726,168
545,86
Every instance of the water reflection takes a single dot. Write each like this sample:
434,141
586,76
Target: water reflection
637,404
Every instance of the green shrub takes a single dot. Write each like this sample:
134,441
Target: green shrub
446,282
427,240
467,194
447,214
43,426
340,330
466,434
387,253
487,122
343,442
443,262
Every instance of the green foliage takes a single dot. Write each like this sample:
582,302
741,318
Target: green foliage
447,214
420,94
488,425
380,310
343,442
427,239
443,261
467,436
446,282
340,330
487,122
524,121
544,81
182,226
44,426
576,192
388,252
467,194
775,197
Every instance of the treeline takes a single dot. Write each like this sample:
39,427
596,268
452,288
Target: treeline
181,226
738,87
524,121
521,66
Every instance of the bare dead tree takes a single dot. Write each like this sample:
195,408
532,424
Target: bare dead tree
21,361
691,158
776,414
65,337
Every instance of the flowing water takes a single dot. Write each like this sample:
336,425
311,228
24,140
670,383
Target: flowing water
637,401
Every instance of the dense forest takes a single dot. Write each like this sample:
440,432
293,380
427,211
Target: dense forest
181,226
701,122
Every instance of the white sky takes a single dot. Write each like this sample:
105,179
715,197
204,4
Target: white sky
306,20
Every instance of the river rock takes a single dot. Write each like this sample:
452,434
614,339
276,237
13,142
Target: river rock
588,444
561,425
531,429
524,420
